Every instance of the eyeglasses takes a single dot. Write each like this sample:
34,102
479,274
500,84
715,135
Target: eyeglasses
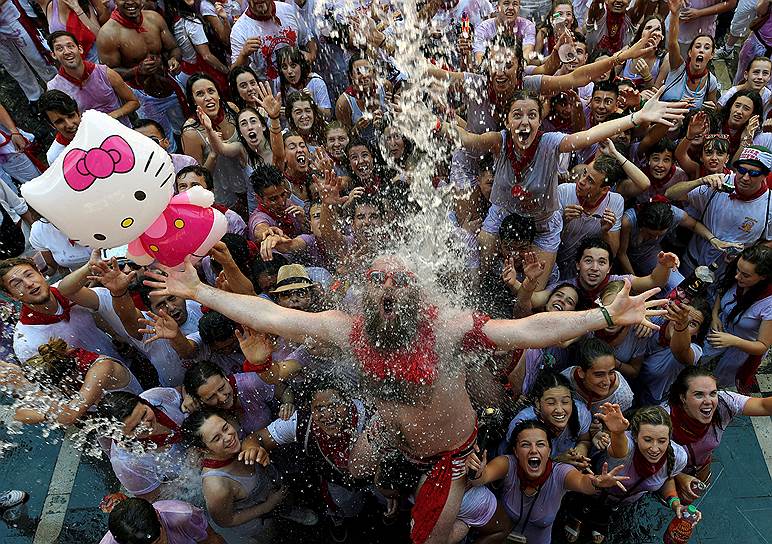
741,170
400,278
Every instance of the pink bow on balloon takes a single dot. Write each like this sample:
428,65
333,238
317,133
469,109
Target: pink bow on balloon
82,167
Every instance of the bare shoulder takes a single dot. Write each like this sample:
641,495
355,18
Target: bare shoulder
153,17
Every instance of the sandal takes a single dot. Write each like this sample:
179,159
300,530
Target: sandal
597,538
573,529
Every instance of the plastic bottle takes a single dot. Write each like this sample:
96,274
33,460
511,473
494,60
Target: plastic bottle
698,487
696,285
680,529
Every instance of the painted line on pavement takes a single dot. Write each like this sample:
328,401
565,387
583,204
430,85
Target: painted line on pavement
763,425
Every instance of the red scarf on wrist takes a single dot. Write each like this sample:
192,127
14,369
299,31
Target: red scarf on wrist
615,23
270,17
643,467
534,483
216,463
31,316
129,23
686,430
162,440
88,68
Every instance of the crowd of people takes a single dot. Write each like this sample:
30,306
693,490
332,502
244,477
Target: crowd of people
605,203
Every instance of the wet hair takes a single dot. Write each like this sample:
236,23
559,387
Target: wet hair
119,405
524,94
373,201
174,9
590,349
755,98
701,305
230,115
662,46
547,379
517,228
758,255
266,176
606,86
191,427
359,55
655,415
655,215
141,123
720,145
504,41
681,386
239,249
198,170
58,102
55,366
332,125
526,425
663,145
546,23
561,286
295,55
7,264
64,34
198,374
592,242
610,168
317,127
697,37
134,521
215,327
233,75
259,266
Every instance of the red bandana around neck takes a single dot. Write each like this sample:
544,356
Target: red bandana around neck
660,183
534,483
88,68
586,204
686,430
270,17
162,440
587,297
61,139
734,195
216,463
129,23
644,468
692,76
337,448
31,316
285,221
590,397
521,162
615,23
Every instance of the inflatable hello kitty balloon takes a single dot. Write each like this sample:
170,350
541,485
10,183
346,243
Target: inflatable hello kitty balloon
112,186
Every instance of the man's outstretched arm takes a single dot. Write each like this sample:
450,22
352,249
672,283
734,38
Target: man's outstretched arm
255,312
550,328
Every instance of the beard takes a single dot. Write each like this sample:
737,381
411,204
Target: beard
397,331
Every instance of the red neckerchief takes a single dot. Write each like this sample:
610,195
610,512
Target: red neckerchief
270,17
586,394
216,463
129,23
220,208
644,468
82,33
662,339
534,483
686,430
659,183
31,316
415,364
734,138
219,118
521,163
61,139
162,440
285,221
337,448
612,41
695,77
84,359
88,68
589,206
587,298
734,195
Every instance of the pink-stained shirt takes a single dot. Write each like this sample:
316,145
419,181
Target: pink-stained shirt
96,93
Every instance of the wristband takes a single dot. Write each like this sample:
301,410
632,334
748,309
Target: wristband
16,132
125,291
632,120
672,500
606,316
676,329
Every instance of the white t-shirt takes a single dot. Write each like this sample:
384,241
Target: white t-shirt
44,236
188,33
292,32
11,203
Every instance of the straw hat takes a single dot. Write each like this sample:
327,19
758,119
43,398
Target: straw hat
291,277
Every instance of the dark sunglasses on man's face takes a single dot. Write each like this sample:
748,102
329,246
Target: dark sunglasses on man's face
400,278
741,170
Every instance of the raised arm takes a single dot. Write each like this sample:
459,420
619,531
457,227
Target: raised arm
674,51
272,106
256,312
481,144
616,424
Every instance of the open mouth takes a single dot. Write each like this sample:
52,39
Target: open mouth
707,412
699,58
35,291
252,137
558,306
534,462
389,306
175,315
593,276
300,158
230,443
559,418
501,80
653,455
523,133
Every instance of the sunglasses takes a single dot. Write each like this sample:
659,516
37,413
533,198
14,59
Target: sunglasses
400,278
741,170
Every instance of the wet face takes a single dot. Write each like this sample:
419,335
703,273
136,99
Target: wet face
701,399
749,178
515,249
555,407
695,322
261,8
508,11
532,449
562,300
247,86
172,305
504,66
617,6
657,32
27,285
390,303
251,129
590,186
563,14
330,411
660,164
485,183
758,74
274,199
65,124
367,219
361,161
216,392
652,441
129,8
701,53
291,71
302,115
740,112
297,299
593,267
68,53
220,437
362,75
296,154
581,55
336,142
395,144
523,122
206,96
266,282
746,275
140,422
714,160
190,180
315,216
152,132
603,104
600,377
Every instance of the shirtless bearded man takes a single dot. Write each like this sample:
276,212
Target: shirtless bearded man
404,348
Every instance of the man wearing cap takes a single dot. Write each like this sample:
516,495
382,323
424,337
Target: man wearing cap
408,353
734,207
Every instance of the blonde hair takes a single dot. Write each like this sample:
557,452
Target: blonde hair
55,366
